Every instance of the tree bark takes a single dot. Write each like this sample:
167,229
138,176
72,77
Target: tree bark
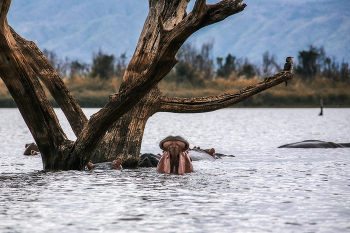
29,96
116,130
124,139
51,79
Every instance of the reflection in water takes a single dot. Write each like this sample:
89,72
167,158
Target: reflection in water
261,189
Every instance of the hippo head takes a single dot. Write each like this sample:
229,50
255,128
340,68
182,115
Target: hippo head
116,164
175,159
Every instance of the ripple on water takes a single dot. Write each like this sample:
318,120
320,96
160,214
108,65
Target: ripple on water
261,189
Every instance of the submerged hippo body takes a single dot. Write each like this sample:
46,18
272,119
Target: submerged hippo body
114,165
31,149
152,160
315,144
200,154
148,160
196,154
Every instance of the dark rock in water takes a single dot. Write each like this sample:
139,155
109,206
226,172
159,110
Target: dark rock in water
315,144
148,160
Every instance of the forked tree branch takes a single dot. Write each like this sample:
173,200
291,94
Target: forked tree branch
26,90
159,41
53,82
42,67
155,54
211,103
153,59
16,70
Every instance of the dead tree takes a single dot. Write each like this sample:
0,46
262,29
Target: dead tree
116,130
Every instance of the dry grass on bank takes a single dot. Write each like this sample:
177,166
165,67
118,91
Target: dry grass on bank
94,92
318,88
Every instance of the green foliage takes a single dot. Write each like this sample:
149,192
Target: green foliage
61,66
52,57
247,70
235,66
310,62
77,68
314,62
195,69
345,72
7,103
225,70
102,65
121,65
270,66
199,64
185,73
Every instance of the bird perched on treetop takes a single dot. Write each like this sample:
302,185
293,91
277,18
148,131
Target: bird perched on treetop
288,66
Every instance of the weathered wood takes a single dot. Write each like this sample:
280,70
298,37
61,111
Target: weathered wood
25,88
154,57
51,79
116,130
125,136
211,103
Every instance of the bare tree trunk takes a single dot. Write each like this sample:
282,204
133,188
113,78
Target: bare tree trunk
124,139
117,129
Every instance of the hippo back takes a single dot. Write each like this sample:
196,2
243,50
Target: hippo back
312,144
198,154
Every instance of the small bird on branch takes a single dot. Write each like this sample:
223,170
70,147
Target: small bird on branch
288,66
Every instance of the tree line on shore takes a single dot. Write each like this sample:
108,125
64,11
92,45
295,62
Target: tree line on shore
196,65
316,76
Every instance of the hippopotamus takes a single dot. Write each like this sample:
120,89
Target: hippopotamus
31,149
176,153
148,160
175,156
198,154
195,154
315,144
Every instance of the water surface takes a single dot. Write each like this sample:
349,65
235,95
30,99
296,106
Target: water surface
261,189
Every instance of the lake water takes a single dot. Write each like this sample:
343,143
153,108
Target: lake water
261,189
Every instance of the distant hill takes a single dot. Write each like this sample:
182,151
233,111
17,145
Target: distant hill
76,28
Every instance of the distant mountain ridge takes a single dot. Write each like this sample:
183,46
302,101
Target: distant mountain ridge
76,28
